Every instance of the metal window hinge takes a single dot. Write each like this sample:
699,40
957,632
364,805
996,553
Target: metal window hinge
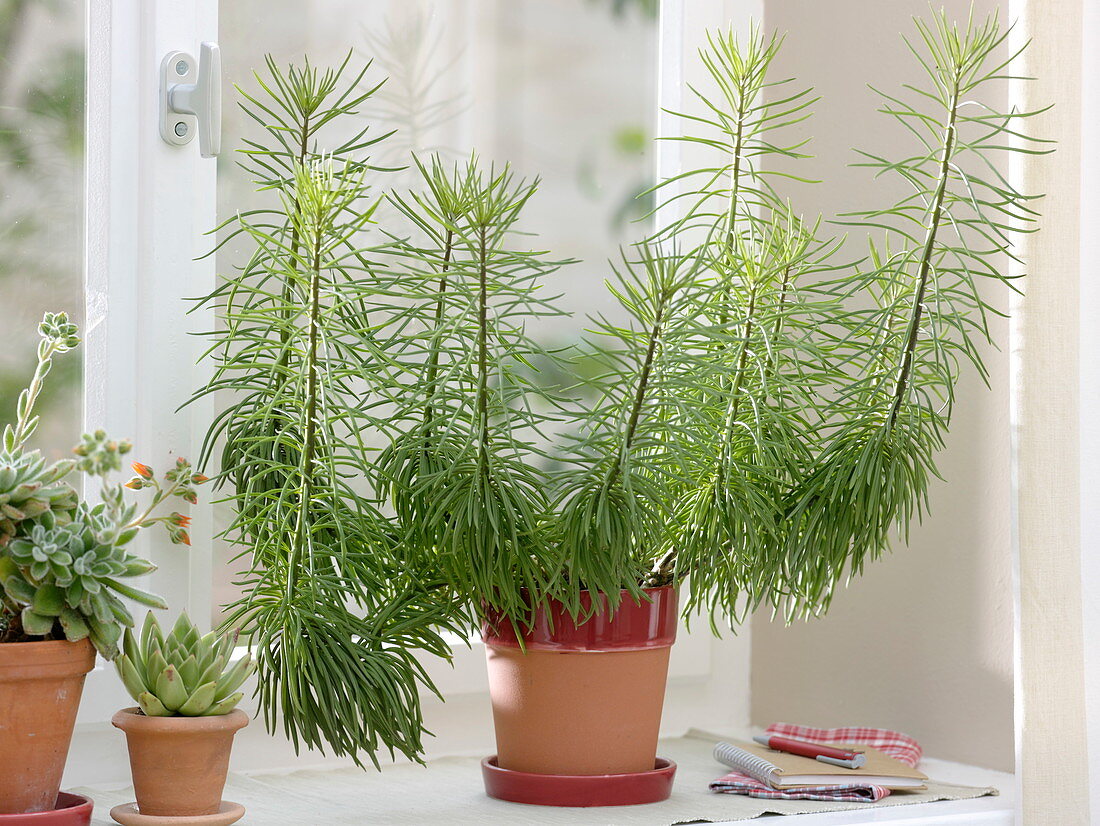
191,99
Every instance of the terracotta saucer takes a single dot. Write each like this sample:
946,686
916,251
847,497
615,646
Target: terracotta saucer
630,789
71,810
128,815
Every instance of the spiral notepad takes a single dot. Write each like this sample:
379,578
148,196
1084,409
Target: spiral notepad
781,770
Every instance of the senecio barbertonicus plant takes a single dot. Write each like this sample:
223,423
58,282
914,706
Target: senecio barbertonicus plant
183,674
63,562
767,412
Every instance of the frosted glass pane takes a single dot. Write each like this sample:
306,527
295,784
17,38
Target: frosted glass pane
41,201
563,90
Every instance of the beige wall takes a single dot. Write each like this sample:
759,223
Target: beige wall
923,641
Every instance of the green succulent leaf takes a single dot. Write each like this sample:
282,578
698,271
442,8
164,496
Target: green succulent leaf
136,567
106,635
235,677
224,706
189,671
49,600
199,702
37,625
155,664
75,625
136,594
213,671
207,650
170,689
131,677
152,706
131,650
19,589
151,634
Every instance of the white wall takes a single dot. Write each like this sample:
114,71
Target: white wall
923,641
1090,386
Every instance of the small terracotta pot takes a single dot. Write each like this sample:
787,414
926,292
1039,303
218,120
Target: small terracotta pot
582,699
179,764
40,686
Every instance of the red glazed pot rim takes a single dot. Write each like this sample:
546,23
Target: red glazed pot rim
633,626
70,810
629,789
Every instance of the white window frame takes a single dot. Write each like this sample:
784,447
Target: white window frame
1089,383
149,206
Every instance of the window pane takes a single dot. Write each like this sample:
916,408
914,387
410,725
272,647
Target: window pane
564,91
41,201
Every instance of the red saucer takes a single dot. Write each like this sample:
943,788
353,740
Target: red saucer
71,810
579,789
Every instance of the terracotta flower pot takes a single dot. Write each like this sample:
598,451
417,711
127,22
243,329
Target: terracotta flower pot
582,699
40,686
179,764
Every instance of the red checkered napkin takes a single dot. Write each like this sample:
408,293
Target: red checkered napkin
899,746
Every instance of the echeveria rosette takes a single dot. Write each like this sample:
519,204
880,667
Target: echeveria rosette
29,487
72,574
57,331
184,674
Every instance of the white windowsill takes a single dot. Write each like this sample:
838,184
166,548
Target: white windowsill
448,792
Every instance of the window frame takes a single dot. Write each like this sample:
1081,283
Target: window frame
1089,389
148,206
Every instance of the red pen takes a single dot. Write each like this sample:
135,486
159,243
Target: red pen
845,758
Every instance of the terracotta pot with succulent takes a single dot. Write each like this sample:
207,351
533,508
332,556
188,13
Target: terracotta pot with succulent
181,732
758,421
63,566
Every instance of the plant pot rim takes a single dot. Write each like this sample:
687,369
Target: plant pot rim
632,626
133,719
79,656
54,643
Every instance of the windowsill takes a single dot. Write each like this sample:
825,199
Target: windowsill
449,791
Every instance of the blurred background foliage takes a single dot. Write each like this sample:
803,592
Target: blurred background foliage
41,199
643,8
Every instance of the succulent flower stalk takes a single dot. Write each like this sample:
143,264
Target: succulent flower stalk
63,561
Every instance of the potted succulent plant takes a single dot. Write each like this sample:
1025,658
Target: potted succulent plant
764,413
64,564
180,734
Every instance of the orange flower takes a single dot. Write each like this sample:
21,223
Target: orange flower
184,537
135,484
144,471
198,479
